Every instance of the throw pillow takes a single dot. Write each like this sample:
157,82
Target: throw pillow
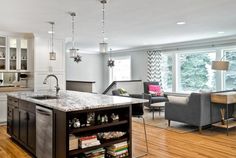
155,90
178,99
123,92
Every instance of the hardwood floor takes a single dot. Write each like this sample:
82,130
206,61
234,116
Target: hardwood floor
162,144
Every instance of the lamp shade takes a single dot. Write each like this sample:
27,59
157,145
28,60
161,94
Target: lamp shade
73,52
103,47
220,65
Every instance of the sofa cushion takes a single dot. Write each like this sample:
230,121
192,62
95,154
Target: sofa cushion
159,99
178,99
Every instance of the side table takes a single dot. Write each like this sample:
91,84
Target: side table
227,99
157,106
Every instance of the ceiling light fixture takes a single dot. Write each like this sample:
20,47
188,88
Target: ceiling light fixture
221,32
74,53
110,62
52,54
181,23
103,46
50,32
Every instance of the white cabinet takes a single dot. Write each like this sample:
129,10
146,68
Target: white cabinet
18,54
2,53
3,108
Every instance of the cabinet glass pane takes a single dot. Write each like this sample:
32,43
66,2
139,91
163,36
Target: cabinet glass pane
2,64
3,41
24,51
13,55
2,53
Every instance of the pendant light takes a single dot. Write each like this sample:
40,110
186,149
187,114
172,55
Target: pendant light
110,62
52,54
103,46
73,51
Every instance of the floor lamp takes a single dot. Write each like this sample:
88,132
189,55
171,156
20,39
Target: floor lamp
223,66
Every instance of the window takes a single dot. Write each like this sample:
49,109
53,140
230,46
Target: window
230,75
195,71
166,72
122,69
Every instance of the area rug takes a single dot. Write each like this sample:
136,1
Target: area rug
160,122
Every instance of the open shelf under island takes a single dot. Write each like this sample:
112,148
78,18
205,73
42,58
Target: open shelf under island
98,124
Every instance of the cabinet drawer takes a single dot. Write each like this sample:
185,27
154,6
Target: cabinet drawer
27,106
12,101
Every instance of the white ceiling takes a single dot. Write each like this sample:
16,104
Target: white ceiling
129,23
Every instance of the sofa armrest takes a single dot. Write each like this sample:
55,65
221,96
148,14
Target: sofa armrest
140,96
177,112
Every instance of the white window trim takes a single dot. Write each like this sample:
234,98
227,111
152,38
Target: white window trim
111,69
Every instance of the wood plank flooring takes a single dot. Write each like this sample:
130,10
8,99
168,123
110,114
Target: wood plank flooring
162,144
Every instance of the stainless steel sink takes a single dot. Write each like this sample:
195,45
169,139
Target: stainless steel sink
44,97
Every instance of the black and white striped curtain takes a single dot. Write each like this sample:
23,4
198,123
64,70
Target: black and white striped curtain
154,66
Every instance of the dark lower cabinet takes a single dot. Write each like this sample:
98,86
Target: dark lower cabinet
9,119
15,122
31,142
21,123
23,126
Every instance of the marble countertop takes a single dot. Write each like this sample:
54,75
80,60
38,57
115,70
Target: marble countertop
75,101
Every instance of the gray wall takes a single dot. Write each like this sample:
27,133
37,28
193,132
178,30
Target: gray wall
90,69
94,68
138,65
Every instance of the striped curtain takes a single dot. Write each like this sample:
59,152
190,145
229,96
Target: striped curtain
154,66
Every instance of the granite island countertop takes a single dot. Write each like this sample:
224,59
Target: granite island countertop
74,101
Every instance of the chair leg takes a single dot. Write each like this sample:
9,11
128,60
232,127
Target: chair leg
153,114
200,129
145,133
168,123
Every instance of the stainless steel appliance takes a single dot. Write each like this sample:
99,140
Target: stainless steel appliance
44,132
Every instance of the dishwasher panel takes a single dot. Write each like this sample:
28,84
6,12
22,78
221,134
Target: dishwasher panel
44,132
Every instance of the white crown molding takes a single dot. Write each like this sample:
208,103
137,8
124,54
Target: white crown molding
195,44
16,34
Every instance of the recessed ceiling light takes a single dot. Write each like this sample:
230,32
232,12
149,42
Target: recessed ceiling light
50,32
220,32
181,23
105,38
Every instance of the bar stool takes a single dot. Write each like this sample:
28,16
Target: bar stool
137,112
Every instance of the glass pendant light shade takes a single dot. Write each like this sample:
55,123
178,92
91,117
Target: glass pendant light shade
52,55
103,47
73,52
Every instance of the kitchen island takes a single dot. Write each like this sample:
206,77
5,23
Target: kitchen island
73,124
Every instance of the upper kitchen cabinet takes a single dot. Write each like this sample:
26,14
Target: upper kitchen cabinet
13,55
18,54
24,54
2,53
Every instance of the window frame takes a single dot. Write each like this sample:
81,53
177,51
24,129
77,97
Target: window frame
111,69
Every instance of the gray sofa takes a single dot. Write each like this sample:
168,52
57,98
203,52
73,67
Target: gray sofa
196,112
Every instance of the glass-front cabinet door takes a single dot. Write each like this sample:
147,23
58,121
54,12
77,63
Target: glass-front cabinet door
23,54
13,54
2,53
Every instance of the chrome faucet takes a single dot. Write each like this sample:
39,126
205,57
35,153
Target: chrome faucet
57,86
